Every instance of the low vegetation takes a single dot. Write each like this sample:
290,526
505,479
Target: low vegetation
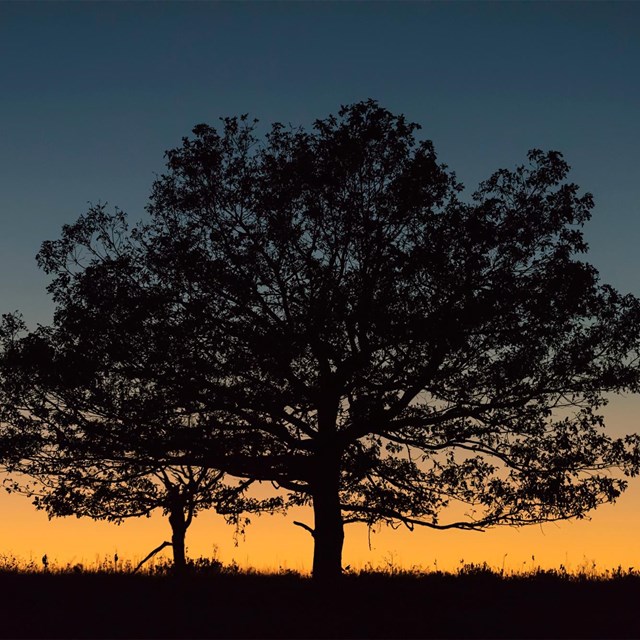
213,600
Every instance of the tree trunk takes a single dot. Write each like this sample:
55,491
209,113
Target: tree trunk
328,532
178,533
328,528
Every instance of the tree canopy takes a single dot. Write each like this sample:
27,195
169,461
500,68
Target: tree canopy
326,311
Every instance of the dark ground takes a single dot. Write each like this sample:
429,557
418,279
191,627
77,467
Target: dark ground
287,606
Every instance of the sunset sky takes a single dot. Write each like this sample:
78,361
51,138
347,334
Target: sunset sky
92,94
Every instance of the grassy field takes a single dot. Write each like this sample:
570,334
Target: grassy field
223,602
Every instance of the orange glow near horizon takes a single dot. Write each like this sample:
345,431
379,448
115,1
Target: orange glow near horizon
608,538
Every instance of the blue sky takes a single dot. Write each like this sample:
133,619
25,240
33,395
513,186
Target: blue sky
93,93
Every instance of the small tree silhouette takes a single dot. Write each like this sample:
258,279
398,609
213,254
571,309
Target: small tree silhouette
104,490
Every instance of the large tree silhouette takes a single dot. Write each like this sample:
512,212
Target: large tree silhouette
339,321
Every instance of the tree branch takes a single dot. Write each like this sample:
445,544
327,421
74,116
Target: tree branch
153,553
306,527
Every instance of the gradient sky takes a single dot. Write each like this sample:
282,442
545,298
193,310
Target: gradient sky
92,94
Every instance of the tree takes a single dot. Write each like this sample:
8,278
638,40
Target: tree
400,350
78,425
117,490
354,331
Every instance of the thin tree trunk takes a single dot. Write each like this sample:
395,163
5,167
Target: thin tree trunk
178,533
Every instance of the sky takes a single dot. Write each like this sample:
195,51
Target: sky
93,93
